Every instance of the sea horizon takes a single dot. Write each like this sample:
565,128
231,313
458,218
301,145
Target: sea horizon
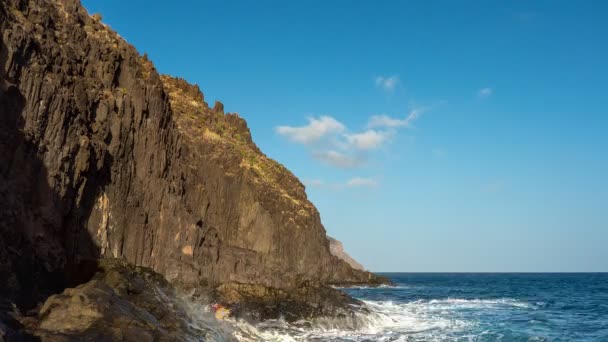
489,272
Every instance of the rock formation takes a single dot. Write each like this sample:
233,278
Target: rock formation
100,156
120,303
337,248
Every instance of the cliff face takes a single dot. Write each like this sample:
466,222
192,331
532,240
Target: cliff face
337,248
102,157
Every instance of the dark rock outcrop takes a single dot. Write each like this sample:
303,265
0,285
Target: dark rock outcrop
257,303
120,303
102,157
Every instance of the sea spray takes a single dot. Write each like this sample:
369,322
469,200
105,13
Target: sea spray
378,321
447,307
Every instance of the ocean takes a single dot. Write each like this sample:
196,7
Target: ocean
460,307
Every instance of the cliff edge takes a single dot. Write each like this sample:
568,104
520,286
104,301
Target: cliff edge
337,248
100,157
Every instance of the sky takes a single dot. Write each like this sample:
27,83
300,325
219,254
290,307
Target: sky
433,136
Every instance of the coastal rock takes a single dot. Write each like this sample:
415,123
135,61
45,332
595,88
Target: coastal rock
121,303
258,303
100,156
337,248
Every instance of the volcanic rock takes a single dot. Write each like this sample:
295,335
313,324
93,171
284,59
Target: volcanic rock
101,157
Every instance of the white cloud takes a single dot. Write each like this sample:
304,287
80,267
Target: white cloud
367,140
387,83
331,142
484,92
338,159
384,120
353,183
334,145
359,182
314,183
314,131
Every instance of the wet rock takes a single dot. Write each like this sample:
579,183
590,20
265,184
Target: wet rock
121,303
258,303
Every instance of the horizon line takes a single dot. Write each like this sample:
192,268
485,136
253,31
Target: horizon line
492,272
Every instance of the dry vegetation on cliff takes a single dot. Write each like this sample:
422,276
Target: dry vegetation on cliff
228,132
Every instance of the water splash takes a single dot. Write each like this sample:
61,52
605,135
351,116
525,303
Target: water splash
448,307
385,321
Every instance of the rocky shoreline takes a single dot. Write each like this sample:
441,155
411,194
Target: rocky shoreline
122,302
103,158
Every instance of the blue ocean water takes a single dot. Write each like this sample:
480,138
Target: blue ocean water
493,307
462,307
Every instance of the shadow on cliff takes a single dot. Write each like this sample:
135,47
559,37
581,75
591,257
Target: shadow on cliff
44,243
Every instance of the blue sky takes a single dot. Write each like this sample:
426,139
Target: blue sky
432,135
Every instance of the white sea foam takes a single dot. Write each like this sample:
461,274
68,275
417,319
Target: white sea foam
386,321
203,321
480,303
367,287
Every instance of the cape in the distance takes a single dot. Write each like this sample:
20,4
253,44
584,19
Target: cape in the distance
102,158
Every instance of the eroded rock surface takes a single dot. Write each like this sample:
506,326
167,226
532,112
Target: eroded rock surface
337,248
121,303
102,157
256,303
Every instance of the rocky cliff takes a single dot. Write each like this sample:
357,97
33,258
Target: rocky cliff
100,156
337,248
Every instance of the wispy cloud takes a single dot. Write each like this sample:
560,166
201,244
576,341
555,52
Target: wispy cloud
317,129
360,182
332,143
314,183
484,92
387,83
338,159
386,121
352,183
368,140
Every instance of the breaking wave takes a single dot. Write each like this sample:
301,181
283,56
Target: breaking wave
385,321
446,307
